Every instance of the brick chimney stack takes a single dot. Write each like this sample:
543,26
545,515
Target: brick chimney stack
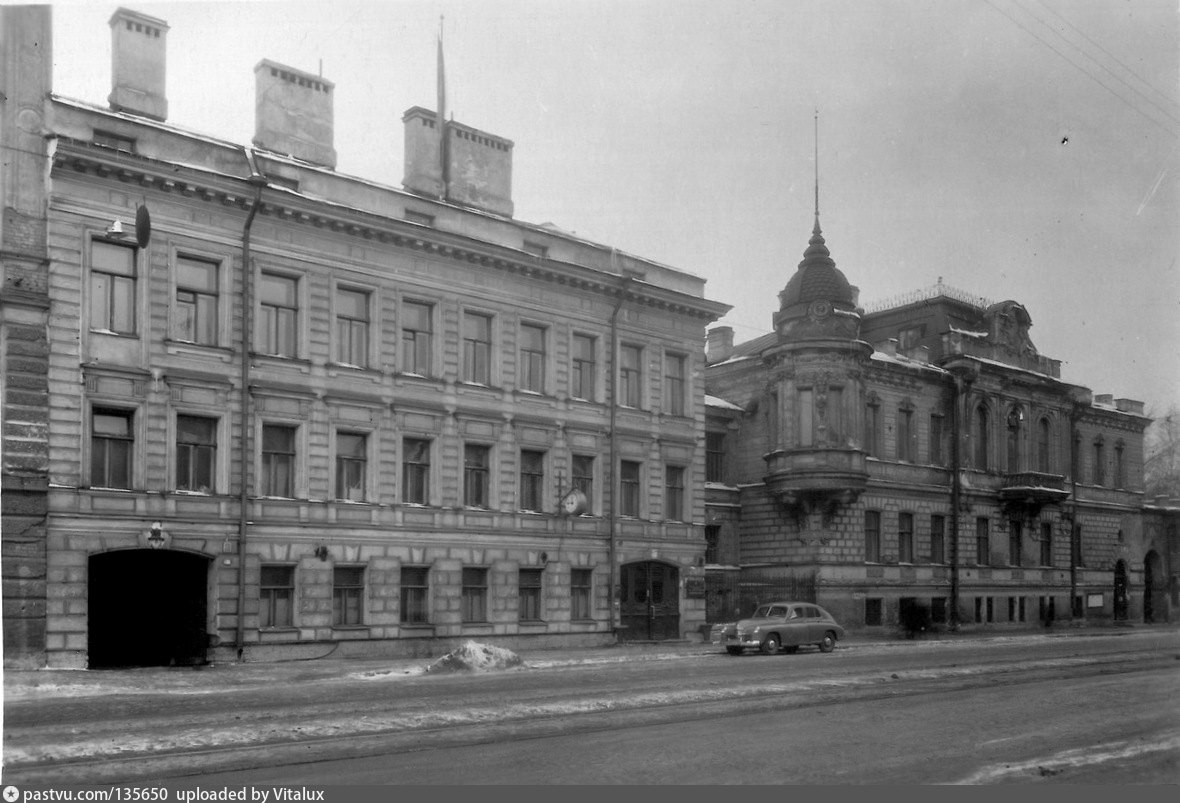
479,164
137,64
293,113
719,344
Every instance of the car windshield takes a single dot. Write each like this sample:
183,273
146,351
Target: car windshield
762,612
770,611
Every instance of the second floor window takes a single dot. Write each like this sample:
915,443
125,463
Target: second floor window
532,480
477,348
629,488
982,542
1044,438
712,544
873,429
714,457
1015,435
1046,543
417,338
905,537
278,324
532,358
937,539
352,327
1119,478
1015,537
907,440
674,385
1099,463
196,453
196,301
416,471
872,536
937,427
630,375
112,443
112,288
584,367
351,466
476,464
674,493
982,434
277,477
582,471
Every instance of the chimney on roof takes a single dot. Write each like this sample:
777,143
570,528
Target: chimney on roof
479,164
719,344
293,113
137,64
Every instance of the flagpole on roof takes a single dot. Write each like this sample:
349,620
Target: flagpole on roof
444,172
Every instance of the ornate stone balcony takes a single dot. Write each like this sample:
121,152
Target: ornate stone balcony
811,479
1032,490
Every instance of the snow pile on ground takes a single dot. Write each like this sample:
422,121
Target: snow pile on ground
475,657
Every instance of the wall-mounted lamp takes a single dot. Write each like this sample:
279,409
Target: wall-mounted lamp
115,230
155,537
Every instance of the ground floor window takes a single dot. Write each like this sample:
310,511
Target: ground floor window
348,586
873,611
580,587
474,601
276,592
415,588
529,590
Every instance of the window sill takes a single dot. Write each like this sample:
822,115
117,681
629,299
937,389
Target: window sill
109,333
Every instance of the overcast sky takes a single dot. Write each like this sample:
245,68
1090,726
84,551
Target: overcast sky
1022,149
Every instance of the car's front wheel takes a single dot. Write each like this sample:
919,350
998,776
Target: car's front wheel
770,645
734,650
829,642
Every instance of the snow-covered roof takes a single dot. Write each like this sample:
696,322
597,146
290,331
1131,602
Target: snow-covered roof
714,401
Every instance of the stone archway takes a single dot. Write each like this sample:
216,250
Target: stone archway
147,607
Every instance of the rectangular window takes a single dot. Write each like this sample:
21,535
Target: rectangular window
583,477
415,592
714,457
712,544
532,480
873,430
416,471
982,542
938,610
529,590
477,348
1099,464
674,384
196,301
581,586
1015,536
872,536
835,416
938,539
476,464
873,612
674,493
905,537
1046,543
806,402
196,454
474,601
351,466
532,358
276,593
348,589
1120,480
585,367
278,461
629,488
630,375
352,327
417,337
906,440
278,324
909,338
112,442
112,287
937,427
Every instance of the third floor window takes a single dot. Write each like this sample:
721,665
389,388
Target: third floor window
352,327
112,288
584,367
196,301
278,324
477,348
532,357
674,385
630,375
417,335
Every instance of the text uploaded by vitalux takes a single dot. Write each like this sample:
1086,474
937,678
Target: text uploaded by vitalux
249,794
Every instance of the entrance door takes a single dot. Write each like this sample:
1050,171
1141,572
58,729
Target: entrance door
650,603
147,607
1120,591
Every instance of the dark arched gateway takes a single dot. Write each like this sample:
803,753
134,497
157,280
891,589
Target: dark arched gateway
650,606
147,608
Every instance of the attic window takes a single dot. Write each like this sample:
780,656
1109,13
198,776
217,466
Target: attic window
419,218
108,139
536,248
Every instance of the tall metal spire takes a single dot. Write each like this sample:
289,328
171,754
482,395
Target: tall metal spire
817,169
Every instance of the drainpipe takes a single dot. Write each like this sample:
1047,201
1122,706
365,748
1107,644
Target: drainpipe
615,598
956,496
258,181
1075,415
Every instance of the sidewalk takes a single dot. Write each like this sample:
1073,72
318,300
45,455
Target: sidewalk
31,685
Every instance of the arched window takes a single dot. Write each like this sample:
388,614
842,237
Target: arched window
982,431
1044,436
1015,417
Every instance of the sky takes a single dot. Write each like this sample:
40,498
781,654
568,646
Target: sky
1016,149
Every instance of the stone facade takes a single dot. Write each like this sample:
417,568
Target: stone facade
923,456
428,382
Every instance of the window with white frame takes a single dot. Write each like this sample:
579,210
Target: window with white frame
112,287
196,454
473,602
416,471
348,592
352,327
197,301
532,358
529,592
477,348
532,480
278,323
581,588
582,471
276,594
415,595
277,475
112,447
476,468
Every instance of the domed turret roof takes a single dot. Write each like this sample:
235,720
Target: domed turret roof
817,278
